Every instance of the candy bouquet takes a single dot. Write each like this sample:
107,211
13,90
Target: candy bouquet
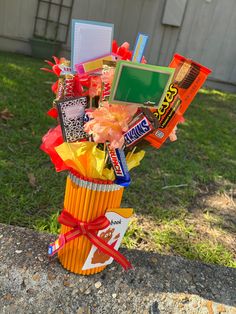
109,103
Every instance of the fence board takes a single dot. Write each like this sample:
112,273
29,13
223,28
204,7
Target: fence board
25,30
157,35
167,50
147,24
129,22
113,14
207,33
2,16
96,10
209,37
227,53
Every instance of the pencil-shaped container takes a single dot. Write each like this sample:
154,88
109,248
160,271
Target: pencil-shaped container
85,200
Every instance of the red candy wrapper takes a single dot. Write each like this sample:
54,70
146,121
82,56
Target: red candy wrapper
69,86
107,76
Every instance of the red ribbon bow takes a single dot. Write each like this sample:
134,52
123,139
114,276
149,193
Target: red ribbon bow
89,229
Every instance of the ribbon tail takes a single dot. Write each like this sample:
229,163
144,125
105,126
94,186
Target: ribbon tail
109,250
57,245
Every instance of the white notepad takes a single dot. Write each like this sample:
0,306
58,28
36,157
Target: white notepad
90,40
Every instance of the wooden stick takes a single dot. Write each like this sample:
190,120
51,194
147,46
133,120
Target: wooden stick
173,186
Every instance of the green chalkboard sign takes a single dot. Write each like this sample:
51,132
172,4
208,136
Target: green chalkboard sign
140,84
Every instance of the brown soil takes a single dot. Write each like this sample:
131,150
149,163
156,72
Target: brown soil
213,215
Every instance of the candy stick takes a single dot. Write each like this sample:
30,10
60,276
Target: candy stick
90,211
86,209
133,150
95,203
68,195
82,210
106,154
101,209
87,245
76,240
77,255
64,229
71,210
112,199
80,215
106,158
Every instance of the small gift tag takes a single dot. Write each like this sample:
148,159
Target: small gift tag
119,219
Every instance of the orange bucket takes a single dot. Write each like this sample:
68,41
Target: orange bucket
86,200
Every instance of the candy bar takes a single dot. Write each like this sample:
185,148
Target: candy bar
118,161
60,88
140,128
107,78
188,78
69,86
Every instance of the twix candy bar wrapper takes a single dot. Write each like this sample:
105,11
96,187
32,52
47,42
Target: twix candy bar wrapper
60,88
66,82
188,79
69,86
108,72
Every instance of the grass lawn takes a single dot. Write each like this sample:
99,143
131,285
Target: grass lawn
183,194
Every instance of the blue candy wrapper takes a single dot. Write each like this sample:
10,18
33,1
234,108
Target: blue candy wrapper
118,161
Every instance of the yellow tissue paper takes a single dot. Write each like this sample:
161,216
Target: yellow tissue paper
88,160
133,160
83,157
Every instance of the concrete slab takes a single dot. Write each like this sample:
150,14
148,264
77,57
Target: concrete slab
30,282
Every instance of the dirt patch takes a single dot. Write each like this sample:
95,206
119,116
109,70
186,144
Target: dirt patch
140,233
213,219
222,204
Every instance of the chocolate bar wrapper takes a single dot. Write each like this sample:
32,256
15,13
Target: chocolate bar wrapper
60,89
188,79
139,128
69,86
107,76
117,158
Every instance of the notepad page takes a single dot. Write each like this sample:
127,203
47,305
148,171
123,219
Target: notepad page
91,42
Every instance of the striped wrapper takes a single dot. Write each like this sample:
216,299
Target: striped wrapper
86,200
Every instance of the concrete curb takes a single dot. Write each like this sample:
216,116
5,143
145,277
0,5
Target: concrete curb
32,283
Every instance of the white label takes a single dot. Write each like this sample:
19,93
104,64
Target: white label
113,235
